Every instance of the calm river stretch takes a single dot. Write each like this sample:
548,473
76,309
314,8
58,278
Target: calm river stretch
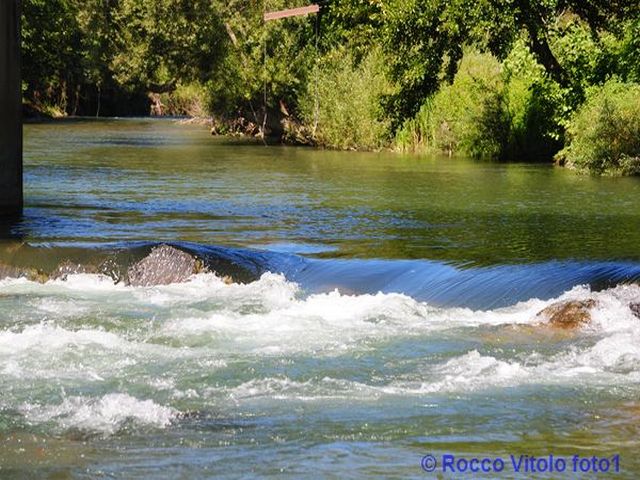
387,312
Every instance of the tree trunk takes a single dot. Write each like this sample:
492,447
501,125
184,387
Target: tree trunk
535,25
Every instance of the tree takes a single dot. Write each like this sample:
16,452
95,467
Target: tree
277,56
50,34
427,36
161,42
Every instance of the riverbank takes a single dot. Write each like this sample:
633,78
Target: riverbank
287,131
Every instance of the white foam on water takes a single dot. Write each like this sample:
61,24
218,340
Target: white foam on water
271,301
82,284
468,373
270,316
105,415
47,351
209,324
283,388
272,290
47,337
605,352
60,308
87,282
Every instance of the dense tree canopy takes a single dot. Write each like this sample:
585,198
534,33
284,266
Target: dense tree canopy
429,35
74,49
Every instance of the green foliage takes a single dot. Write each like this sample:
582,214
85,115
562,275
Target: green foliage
535,106
191,100
349,112
447,121
506,111
427,37
628,58
159,42
582,54
79,56
48,52
276,54
420,39
591,58
604,134
356,23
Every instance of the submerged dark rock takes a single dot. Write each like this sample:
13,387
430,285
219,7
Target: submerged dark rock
635,308
568,315
163,266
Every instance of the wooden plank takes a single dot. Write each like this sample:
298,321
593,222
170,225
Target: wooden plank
292,12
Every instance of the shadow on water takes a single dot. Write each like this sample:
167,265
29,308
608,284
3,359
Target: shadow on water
9,228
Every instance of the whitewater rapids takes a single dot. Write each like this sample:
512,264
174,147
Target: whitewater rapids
87,355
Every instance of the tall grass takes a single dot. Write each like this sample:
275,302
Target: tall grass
343,97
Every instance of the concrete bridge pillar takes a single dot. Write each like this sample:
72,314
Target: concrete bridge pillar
10,110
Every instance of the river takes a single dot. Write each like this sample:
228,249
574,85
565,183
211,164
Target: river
387,311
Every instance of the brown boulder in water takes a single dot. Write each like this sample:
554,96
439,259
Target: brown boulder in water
635,309
568,315
163,266
9,271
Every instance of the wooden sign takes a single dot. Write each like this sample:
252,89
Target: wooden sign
292,12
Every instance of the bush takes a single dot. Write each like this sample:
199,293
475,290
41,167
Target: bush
349,114
505,111
186,100
604,134
447,121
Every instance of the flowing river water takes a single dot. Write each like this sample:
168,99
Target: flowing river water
387,312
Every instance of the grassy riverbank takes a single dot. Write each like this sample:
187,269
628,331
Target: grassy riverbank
514,81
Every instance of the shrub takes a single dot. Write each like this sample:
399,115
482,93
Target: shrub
506,111
448,120
186,100
604,134
349,114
